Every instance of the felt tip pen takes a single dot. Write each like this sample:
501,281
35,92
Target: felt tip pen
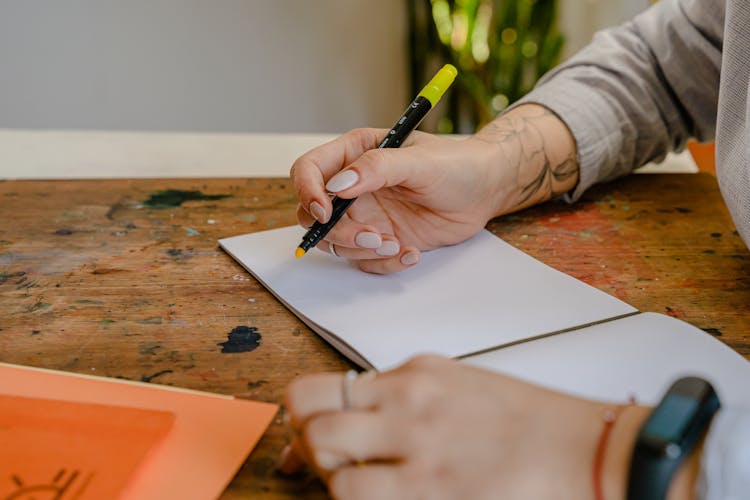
407,122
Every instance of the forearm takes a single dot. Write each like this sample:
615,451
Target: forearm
533,157
628,97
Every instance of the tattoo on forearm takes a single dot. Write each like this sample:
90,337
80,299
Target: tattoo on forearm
524,145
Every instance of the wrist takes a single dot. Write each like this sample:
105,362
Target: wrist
500,185
620,452
533,155
683,483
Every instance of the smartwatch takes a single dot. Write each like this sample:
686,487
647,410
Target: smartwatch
669,435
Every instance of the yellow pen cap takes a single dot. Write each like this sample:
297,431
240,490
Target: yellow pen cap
436,87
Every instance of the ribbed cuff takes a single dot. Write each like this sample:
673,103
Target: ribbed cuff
589,118
725,461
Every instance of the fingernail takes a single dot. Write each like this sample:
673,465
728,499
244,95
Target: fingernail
317,211
342,180
410,258
389,248
368,240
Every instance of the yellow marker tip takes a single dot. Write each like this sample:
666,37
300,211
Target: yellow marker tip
298,253
436,87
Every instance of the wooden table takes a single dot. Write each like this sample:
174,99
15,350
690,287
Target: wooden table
105,278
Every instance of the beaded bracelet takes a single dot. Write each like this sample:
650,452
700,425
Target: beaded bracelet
609,416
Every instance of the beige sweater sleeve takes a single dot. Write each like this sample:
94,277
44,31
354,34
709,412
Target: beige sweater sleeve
641,89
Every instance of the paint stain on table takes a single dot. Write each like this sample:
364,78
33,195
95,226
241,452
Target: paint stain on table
153,320
257,384
241,339
7,276
149,378
170,198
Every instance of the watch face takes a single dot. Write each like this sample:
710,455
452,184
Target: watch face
669,421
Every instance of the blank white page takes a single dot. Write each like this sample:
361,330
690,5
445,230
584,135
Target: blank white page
458,300
640,355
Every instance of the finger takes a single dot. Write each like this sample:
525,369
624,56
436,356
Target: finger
376,169
349,233
311,170
371,482
321,393
304,218
293,458
406,258
341,438
297,456
389,248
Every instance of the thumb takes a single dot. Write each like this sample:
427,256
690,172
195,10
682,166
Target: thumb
377,169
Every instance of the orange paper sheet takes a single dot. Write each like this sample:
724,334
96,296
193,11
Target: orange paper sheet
211,436
57,449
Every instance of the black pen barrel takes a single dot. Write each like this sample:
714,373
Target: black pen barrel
406,123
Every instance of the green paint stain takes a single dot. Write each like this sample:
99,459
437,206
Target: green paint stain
170,198
249,218
626,208
149,348
190,231
39,305
87,301
6,276
585,234
106,322
608,198
154,320
271,223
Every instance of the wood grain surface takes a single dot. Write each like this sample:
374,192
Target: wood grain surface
115,278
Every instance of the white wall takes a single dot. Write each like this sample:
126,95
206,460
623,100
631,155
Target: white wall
220,65
580,19
202,65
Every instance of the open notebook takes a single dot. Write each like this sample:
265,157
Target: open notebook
490,304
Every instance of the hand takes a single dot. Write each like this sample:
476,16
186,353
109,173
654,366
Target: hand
432,191
434,428
429,193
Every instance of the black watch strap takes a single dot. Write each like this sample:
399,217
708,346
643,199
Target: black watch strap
650,477
669,435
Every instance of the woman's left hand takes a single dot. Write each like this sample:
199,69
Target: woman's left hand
434,428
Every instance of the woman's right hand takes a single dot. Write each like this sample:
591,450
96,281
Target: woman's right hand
431,192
